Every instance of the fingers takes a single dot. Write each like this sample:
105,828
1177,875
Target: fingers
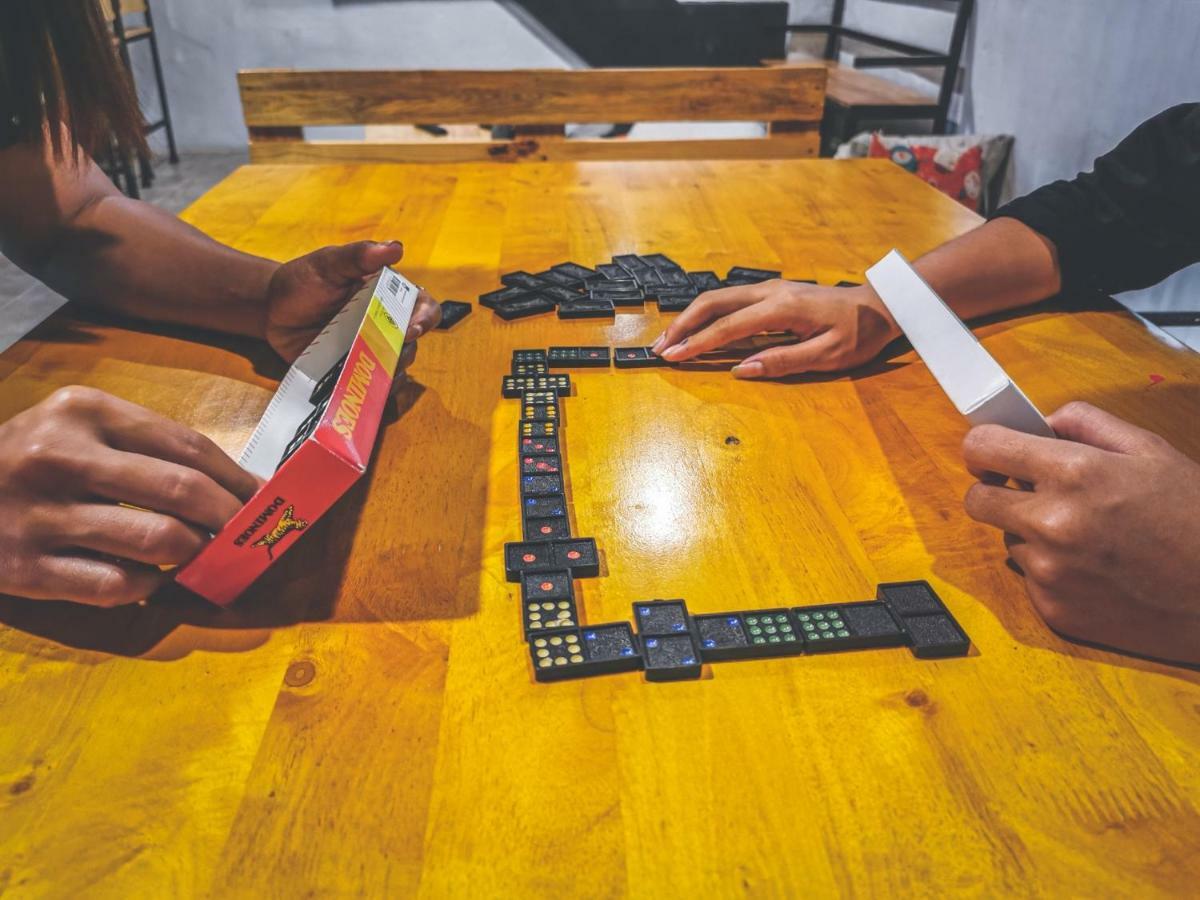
815,355
131,534
707,307
1085,424
1041,570
94,581
741,323
134,429
1000,507
352,262
165,487
426,316
1025,457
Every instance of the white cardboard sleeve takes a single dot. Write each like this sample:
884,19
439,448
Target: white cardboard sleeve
975,383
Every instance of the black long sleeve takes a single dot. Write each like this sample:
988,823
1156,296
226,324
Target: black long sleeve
1134,219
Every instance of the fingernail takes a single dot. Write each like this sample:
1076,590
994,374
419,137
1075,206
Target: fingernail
749,369
417,331
658,342
674,350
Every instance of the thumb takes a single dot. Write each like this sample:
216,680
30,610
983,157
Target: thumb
352,262
806,356
1085,424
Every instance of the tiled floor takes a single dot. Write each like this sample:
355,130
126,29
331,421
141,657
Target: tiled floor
24,301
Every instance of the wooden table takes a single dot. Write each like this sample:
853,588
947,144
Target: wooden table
366,717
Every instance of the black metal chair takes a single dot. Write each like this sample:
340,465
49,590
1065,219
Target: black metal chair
125,34
854,96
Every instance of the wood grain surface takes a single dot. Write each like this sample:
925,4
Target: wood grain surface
281,97
364,721
276,103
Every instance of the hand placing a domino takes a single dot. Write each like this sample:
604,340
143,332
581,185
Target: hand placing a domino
66,467
838,328
1109,536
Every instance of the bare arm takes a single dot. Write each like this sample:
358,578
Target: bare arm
1001,265
65,223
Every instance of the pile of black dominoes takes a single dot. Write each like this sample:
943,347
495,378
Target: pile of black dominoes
665,640
578,292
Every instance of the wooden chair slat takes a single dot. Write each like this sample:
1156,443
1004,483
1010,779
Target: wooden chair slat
532,96
788,146
277,104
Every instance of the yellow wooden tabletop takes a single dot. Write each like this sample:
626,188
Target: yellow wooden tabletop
365,718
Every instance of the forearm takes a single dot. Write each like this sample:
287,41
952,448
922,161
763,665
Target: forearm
1001,265
64,222
132,258
998,266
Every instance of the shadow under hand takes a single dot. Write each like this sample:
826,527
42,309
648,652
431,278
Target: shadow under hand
258,353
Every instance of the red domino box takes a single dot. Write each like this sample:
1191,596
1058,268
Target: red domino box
310,453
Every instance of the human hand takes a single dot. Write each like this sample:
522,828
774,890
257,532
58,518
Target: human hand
66,466
1109,537
839,328
304,295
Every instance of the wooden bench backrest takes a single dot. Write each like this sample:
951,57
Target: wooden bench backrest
539,102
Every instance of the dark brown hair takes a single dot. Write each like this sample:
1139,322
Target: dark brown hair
58,66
